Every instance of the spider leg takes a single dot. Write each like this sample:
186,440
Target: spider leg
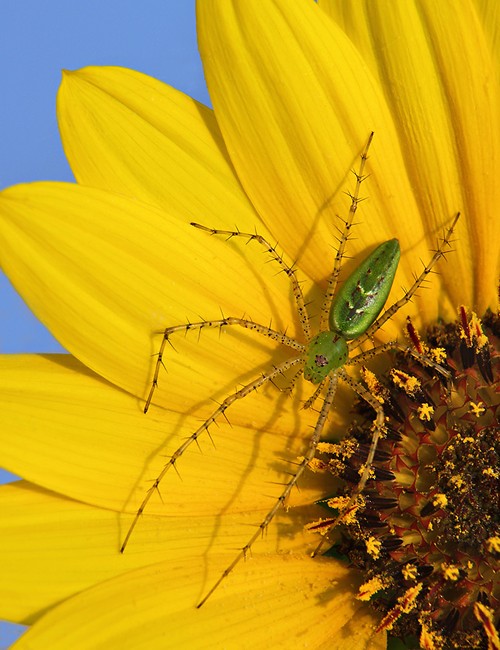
276,257
311,452
378,430
279,337
219,411
344,236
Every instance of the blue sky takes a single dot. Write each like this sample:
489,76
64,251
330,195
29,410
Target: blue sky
37,40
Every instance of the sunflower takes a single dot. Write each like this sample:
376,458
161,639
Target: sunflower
110,261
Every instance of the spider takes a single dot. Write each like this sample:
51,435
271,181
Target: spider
349,317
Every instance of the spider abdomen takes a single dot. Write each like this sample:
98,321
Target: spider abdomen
362,296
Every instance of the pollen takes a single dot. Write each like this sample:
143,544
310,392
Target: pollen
425,412
409,572
477,408
429,639
315,465
405,604
326,448
438,355
485,616
348,513
373,385
458,483
440,500
373,547
450,572
493,544
477,329
406,382
321,526
370,588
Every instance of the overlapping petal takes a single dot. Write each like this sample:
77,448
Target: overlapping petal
105,273
128,133
440,78
153,607
95,453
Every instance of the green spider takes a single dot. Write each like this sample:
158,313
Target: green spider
349,318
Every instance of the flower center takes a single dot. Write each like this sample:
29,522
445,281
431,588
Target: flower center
426,530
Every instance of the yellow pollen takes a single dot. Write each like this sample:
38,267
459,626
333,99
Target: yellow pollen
477,328
370,588
429,639
493,544
340,503
373,547
404,605
405,381
485,616
371,473
489,471
327,448
477,408
450,572
440,500
425,412
321,526
409,572
372,384
316,465
458,482
438,355
407,601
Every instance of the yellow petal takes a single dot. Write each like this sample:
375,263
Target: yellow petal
489,13
105,273
57,547
69,431
129,133
439,72
281,602
295,103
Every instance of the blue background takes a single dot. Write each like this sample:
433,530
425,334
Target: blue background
37,40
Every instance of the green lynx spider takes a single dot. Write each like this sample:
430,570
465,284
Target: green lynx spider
348,319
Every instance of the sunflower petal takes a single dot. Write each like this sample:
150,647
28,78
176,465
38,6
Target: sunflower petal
295,120
277,601
129,133
57,547
107,274
450,133
69,431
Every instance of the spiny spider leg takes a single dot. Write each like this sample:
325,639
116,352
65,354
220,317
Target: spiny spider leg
389,313
220,410
310,400
242,322
330,379
378,424
288,270
311,452
406,349
344,236
222,322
